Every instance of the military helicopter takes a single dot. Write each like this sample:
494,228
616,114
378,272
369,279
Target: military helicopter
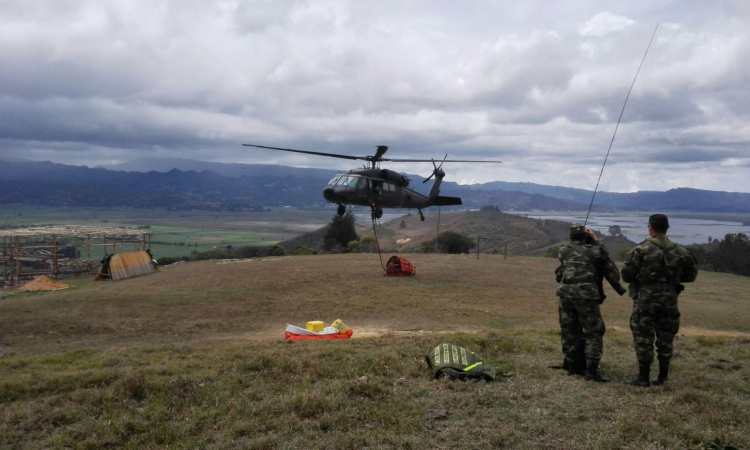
380,188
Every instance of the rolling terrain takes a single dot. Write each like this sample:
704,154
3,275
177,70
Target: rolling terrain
523,235
219,186
193,357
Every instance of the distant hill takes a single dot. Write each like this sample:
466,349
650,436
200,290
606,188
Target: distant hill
250,186
233,170
50,184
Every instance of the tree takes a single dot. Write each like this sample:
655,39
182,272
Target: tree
615,230
340,231
491,208
733,254
402,225
454,243
276,250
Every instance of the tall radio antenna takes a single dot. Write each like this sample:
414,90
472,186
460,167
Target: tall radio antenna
618,125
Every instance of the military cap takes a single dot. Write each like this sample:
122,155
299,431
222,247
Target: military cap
577,230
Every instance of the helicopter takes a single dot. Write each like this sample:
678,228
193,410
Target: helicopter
380,188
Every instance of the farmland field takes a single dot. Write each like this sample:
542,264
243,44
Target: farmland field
180,233
193,357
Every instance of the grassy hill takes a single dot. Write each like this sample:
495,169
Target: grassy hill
524,235
193,357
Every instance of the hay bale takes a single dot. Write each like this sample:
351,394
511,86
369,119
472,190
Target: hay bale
42,283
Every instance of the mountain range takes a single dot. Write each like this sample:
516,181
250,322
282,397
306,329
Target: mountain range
189,184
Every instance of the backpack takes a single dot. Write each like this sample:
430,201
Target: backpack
458,363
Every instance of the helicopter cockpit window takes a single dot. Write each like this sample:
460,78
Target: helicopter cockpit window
352,182
334,180
342,180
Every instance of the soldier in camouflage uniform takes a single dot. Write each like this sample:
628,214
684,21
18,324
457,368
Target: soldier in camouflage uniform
583,264
655,270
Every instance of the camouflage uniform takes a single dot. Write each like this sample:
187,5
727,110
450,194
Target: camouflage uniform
582,266
655,268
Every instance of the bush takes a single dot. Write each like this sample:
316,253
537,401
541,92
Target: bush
352,247
167,260
367,244
449,242
212,254
276,250
303,250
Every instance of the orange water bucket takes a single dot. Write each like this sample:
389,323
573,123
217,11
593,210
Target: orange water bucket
399,267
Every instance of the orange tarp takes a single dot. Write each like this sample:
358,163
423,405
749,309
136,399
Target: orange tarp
42,283
132,264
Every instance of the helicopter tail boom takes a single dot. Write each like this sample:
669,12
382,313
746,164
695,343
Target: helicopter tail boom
442,200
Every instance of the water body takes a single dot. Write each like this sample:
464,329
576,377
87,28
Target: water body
366,220
682,231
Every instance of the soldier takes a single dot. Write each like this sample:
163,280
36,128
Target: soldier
655,268
583,264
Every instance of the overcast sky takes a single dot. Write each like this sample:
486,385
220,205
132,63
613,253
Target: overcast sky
537,86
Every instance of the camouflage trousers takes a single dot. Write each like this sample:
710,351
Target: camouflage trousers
581,316
655,315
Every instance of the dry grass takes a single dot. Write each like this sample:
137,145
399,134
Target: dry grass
192,357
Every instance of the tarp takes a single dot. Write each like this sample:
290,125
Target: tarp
127,265
299,337
42,283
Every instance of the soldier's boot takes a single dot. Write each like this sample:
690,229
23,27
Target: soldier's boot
592,372
642,379
576,367
663,373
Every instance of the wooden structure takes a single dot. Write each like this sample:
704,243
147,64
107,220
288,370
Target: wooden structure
63,250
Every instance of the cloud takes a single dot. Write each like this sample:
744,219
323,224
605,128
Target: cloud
603,23
537,86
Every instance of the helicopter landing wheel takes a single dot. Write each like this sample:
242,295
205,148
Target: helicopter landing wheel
421,216
341,210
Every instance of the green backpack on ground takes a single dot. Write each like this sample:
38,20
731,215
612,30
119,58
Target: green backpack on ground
458,363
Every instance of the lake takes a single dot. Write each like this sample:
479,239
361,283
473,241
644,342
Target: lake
681,230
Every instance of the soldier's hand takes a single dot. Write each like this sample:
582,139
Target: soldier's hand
620,289
591,234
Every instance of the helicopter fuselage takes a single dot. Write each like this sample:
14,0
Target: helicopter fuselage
375,188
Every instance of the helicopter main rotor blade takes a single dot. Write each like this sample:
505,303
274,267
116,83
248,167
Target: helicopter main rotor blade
332,155
445,160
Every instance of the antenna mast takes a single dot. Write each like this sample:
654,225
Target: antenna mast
618,126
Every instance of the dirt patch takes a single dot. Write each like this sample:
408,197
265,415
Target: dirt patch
42,283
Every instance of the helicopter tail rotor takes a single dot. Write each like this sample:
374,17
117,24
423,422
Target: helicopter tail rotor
438,170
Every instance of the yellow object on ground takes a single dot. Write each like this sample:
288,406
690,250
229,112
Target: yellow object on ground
43,283
315,325
339,325
127,265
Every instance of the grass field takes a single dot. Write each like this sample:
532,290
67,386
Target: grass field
193,357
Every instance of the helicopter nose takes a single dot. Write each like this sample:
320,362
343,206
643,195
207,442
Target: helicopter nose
329,194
